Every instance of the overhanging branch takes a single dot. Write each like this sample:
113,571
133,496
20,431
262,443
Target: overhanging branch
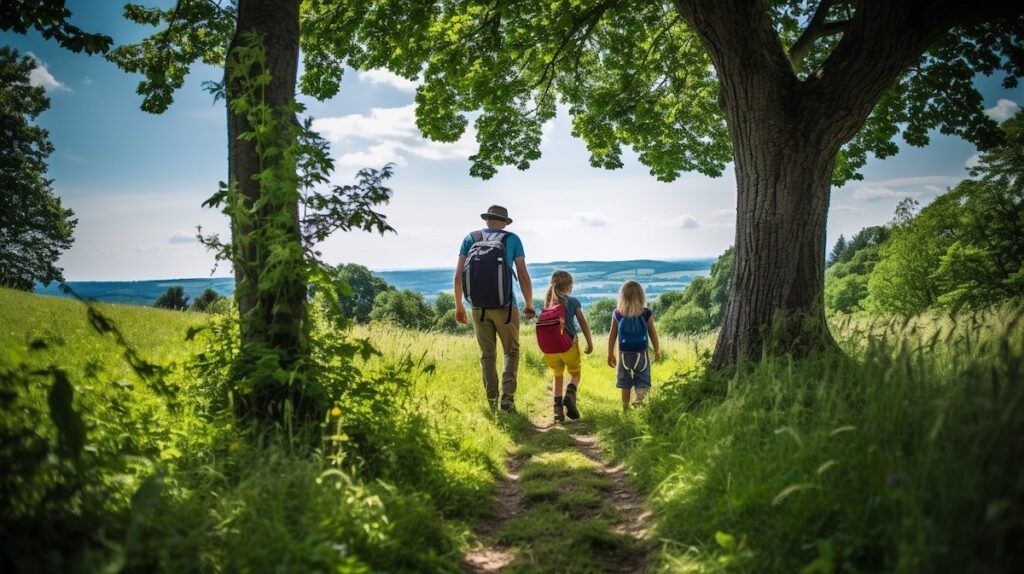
817,28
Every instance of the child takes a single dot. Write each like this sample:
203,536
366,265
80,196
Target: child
632,326
556,335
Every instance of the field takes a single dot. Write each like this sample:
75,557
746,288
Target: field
903,455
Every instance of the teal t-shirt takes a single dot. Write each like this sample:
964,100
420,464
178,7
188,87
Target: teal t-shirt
571,305
513,246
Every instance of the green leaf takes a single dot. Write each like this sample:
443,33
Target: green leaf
726,541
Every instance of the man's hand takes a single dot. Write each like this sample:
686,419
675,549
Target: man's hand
460,314
590,348
529,312
611,360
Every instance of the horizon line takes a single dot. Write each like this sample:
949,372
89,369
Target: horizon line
390,270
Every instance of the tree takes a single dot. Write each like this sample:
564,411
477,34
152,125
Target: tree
275,163
404,308
903,281
209,301
599,315
174,298
360,288
50,18
837,250
796,93
701,305
35,228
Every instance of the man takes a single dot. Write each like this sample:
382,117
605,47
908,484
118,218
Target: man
488,261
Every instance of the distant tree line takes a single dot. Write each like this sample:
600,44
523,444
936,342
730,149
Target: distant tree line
209,301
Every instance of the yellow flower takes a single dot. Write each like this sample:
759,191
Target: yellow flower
336,412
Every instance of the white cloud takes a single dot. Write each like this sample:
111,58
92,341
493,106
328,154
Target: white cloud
973,161
681,222
394,133
182,237
837,208
383,77
1003,110
723,213
40,76
868,193
590,219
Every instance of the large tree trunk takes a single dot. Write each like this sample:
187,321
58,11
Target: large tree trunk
786,133
270,286
775,298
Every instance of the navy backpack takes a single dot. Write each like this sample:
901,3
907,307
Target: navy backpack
486,276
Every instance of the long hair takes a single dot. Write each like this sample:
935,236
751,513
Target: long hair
561,282
631,299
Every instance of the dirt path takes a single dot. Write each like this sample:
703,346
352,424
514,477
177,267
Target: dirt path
562,506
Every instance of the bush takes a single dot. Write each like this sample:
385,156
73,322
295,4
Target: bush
210,302
685,319
404,308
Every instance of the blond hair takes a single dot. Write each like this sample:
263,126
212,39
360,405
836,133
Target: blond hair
631,299
561,282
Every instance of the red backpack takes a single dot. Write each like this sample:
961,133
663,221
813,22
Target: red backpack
551,335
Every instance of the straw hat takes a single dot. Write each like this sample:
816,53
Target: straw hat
496,212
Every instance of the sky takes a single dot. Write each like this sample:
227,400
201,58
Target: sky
136,181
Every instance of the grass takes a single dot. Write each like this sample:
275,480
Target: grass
904,455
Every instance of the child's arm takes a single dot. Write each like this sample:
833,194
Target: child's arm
613,334
585,327
653,334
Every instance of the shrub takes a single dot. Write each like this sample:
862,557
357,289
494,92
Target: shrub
174,298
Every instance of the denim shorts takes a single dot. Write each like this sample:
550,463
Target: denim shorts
633,371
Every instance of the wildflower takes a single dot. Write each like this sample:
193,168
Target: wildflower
336,412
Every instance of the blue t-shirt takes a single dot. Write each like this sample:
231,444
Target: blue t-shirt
513,246
571,305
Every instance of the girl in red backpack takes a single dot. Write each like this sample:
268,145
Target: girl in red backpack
556,335
633,329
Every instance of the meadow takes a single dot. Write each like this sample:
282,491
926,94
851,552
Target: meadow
901,455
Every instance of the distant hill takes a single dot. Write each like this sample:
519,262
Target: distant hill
593,280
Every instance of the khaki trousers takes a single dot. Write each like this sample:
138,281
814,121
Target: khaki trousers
491,327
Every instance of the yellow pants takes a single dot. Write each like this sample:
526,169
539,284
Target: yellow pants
565,361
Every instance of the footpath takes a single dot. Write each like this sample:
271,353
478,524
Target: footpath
562,507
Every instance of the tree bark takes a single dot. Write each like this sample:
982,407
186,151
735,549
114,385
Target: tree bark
273,317
786,133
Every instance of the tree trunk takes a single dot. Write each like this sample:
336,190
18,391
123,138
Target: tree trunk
786,133
775,298
270,281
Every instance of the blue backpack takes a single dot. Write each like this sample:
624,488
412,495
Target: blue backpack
632,331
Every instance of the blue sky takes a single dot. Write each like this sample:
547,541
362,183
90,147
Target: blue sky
137,181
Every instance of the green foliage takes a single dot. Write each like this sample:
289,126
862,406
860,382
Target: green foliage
756,472
174,299
209,301
405,308
195,32
701,306
963,249
356,288
50,19
871,236
664,302
599,315
35,228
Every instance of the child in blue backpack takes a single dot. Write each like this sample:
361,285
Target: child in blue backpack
632,328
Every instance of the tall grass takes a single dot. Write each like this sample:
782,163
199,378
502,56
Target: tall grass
904,455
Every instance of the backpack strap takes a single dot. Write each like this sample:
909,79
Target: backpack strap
477,236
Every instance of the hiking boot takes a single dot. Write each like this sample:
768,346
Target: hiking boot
559,411
507,404
570,403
